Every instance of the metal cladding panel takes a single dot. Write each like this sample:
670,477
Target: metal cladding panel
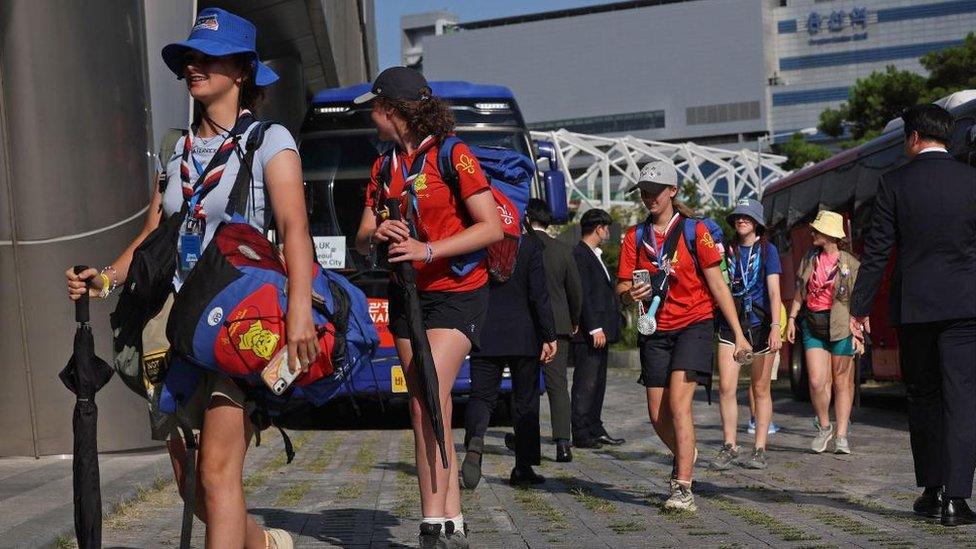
76,131
667,57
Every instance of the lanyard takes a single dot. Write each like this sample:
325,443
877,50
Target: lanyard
653,247
209,178
751,266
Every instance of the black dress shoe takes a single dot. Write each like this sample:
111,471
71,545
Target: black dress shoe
929,504
563,452
525,476
592,443
471,466
956,512
609,440
510,441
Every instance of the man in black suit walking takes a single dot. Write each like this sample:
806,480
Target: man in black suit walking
518,334
599,327
565,295
926,210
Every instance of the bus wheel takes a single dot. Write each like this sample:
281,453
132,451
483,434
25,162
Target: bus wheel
799,382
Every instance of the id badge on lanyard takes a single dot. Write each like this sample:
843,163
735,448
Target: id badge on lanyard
189,247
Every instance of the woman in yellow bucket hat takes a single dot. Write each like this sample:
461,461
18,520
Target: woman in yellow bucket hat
821,303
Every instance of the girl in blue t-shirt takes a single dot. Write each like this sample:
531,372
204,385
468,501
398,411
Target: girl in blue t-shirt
754,271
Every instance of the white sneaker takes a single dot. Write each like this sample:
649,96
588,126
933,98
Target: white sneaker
278,538
823,438
681,497
842,446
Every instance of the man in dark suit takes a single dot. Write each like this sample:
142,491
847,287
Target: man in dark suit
565,295
926,210
519,329
599,327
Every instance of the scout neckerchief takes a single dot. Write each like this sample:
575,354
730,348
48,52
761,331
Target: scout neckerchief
209,178
817,284
655,250
748,275
410,179
190,243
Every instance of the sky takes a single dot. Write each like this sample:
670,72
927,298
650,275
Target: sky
388,14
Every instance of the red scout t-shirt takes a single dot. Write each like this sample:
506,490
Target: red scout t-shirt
440,213
689,300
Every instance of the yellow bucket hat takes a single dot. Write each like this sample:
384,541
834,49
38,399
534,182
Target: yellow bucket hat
829,223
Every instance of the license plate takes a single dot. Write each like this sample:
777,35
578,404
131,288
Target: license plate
397,380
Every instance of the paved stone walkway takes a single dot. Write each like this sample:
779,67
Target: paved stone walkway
355,488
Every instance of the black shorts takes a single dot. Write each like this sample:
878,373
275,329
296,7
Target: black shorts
463,311
758,337
691,349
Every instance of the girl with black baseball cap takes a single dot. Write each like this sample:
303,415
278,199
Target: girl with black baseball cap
445,222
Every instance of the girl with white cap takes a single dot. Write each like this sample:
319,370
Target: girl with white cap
821,307
754,270
224,77
683,262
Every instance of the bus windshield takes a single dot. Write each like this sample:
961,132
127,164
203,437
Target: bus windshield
337,169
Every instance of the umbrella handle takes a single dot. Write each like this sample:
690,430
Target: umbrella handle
81,305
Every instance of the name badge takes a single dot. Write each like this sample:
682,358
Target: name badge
189,248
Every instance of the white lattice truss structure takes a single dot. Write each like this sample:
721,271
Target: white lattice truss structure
606,167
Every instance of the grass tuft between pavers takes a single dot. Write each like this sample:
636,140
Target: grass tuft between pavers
628,526
756,517
65,541
326,453
536,504
294,494
161,493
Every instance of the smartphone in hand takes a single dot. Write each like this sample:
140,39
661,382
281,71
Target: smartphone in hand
641,276
277,375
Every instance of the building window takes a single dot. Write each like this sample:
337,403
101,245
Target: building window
613,123
726,112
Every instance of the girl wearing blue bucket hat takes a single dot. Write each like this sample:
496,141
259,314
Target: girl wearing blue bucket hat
754,270
223,75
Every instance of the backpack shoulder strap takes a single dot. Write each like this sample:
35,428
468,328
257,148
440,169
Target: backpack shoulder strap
639,233
383,186
691,235
445,163
167,148
237,200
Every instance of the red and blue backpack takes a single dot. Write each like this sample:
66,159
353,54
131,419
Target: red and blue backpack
229,315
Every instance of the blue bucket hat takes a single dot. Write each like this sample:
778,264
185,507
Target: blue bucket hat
219,33
750,208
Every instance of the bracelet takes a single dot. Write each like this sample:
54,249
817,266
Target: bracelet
114,278
792,318
106,286
430,253
777,324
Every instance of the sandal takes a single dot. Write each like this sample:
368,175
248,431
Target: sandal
276,538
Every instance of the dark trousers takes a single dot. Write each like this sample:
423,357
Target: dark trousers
557,387
938,364
486,377
589,387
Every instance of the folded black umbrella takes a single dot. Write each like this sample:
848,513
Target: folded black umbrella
84,375
423,359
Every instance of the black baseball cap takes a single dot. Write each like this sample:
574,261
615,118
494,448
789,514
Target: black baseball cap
397,83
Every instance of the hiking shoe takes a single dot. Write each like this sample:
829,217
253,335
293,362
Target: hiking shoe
757,461
773,427
841,446
726,456
276,538
431,536
471,466
456,539
681,497
823,438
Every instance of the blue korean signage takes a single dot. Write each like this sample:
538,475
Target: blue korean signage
837,20
834,23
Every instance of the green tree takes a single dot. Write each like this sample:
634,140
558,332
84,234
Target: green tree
799,152
951,69
882,96
832,121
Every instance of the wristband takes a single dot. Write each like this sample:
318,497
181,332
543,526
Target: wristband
430,253
114,278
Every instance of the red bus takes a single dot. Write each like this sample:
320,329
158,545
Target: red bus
846,183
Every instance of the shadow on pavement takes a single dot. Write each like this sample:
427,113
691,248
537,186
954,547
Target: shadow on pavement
346,527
